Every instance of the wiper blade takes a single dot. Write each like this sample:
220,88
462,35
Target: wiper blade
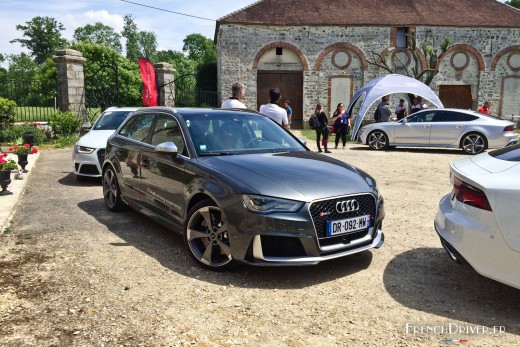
209,154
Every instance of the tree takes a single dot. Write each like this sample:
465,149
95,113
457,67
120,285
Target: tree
514,3
21,67
430,53
147,44
200,48
130,33
42,37
138,43
99,34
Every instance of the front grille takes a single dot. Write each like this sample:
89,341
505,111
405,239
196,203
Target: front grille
101,156
89,169
281,246
325,210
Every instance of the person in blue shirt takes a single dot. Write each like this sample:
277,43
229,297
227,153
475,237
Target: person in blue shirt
341,121
288,109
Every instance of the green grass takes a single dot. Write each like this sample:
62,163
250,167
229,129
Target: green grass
33,113
311,136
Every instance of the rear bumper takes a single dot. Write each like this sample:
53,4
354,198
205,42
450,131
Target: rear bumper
473,236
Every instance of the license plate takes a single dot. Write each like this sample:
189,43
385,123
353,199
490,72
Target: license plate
349,225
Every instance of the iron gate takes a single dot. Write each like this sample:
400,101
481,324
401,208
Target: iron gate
101,90
186,94
36,100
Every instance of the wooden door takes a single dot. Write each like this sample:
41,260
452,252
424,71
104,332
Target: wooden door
290,84
456,96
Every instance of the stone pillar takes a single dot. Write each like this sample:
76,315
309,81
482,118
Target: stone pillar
71,82
164,75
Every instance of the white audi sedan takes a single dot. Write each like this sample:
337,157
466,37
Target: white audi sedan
479,221
472,131
89,151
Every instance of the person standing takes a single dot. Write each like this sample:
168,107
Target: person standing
417,105
288,109
383,110
485,108
273,111
322,128
400,110
341,124
238,92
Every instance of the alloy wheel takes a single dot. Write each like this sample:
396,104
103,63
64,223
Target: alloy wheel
377,140
473,144
207,237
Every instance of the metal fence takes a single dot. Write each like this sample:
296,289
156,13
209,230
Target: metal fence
36,100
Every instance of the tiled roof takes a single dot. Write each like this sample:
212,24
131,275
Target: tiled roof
456,13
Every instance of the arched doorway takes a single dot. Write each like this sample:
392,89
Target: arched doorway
279,66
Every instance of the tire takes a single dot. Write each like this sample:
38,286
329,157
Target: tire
209,246
377,140
112,191
473,143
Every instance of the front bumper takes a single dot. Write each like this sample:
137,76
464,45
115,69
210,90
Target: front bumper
88,164
474,235
300,239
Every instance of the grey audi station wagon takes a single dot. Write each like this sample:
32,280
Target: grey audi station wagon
240,188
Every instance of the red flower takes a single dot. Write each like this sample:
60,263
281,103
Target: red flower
34,150
27,145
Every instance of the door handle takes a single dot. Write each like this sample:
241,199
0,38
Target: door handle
426,126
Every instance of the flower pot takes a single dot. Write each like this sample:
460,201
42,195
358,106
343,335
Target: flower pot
29,139
22,161
5,180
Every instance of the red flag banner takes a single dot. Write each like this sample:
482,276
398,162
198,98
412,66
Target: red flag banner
148,77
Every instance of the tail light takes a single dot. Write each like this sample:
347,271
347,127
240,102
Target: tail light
469,195
510,128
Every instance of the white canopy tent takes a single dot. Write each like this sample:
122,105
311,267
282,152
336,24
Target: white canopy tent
374,90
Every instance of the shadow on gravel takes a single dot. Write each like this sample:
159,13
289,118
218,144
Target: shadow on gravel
168,248
80,181
425,279
413,150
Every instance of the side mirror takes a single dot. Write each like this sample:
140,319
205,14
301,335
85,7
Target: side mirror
302,140
166,148
85,127
404,120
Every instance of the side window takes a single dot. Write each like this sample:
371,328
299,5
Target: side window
167,130
422,117
439,117
459,117
138,128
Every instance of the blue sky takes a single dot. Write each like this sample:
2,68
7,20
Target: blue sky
170,28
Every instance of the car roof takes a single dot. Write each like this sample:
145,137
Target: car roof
114,108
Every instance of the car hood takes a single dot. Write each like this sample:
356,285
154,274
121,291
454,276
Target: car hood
303,176
95,138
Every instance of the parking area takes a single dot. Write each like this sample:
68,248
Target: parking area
72,273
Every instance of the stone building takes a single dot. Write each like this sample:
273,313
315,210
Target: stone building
319,51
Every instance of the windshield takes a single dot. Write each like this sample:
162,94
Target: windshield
110,120
224,134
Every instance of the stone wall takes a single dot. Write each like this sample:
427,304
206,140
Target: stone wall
474,58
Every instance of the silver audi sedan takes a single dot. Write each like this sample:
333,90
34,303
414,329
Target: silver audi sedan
472,131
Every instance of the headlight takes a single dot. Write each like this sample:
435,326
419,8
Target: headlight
83,149
265,204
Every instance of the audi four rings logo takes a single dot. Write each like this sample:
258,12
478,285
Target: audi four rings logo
347,206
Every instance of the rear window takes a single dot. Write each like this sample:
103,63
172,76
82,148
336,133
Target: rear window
511,153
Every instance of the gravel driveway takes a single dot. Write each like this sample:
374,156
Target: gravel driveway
73,274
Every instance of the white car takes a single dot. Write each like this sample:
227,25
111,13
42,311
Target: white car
472,131
89,151
479,221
